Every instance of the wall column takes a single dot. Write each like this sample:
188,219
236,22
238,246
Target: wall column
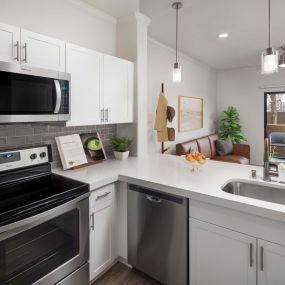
132,38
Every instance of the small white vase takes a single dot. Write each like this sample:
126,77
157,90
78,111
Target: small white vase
121,155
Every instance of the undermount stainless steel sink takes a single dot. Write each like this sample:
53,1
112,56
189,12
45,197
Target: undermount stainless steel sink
262,192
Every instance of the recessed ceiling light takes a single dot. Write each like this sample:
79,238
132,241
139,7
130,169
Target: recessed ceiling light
223,35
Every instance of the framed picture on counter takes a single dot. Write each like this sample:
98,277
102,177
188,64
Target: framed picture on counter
93,147
190,111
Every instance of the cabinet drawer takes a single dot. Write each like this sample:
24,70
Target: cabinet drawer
102,195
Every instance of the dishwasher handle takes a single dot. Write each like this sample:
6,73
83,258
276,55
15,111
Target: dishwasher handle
158,195
153,199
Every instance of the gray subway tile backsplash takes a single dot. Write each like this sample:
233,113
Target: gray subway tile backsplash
22,135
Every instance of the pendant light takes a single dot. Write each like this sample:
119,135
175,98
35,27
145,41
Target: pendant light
176,75
282,58
269,58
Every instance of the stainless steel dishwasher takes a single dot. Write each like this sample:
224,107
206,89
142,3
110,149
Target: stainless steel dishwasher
158,235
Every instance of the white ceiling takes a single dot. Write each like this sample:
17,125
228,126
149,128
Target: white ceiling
115,8
201,21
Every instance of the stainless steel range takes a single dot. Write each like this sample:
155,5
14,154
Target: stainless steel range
43,222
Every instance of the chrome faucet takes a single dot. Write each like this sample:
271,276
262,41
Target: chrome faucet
267,172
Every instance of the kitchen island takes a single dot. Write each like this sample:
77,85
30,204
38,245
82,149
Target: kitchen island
171,174
232,239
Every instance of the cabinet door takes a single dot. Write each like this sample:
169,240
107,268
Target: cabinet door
221,257
41,51
271,263
9,43
117,90
101,230
85,68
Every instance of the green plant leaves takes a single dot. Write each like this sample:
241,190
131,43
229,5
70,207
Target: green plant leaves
121,144
231,127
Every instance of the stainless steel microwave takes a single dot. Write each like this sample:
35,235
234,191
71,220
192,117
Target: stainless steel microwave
33,94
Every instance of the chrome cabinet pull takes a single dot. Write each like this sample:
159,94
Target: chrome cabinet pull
25,47
103,196
251,255
106,115
17,45
92,221
102,115
261,258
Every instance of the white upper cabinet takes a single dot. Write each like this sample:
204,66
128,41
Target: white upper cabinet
118,90
9,43
85,67
271,267
221,257
42,51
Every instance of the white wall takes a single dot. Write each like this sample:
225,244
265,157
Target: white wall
67,20
244,88
198,80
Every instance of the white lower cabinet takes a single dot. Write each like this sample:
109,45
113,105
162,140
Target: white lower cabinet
220,257
102,206
271,267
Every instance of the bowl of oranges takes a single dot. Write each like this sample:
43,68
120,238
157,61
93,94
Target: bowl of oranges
195,160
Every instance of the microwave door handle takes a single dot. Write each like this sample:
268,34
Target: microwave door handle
58,96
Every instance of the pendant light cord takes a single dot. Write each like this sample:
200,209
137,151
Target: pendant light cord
269,26
176,31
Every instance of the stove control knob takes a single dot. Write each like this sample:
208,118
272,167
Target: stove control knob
33,156
43,154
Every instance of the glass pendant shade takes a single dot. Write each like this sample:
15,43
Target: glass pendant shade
176,73
269,61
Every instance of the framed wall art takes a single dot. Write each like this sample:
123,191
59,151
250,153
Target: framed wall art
190,111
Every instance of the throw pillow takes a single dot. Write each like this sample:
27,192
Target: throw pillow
224,147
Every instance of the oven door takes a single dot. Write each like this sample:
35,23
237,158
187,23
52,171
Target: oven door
30,95
46,248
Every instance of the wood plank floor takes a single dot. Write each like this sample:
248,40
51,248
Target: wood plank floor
120,274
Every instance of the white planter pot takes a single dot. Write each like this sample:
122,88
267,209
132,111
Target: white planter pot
121,155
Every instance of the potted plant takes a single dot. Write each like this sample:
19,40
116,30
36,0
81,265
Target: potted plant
230,127
121,147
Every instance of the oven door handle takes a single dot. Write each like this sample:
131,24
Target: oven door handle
58,96
13,229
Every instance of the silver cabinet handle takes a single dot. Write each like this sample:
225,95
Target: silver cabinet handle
153,199
58,96
103,196
102,115
251,255
106,115
92,221
25,47
17,45
261,258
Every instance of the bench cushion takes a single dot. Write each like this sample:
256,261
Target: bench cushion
232,158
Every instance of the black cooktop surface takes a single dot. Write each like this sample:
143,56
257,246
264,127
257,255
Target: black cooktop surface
23,196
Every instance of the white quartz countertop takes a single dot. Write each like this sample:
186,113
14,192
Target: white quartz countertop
171,174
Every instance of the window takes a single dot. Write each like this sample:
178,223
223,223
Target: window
274,124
